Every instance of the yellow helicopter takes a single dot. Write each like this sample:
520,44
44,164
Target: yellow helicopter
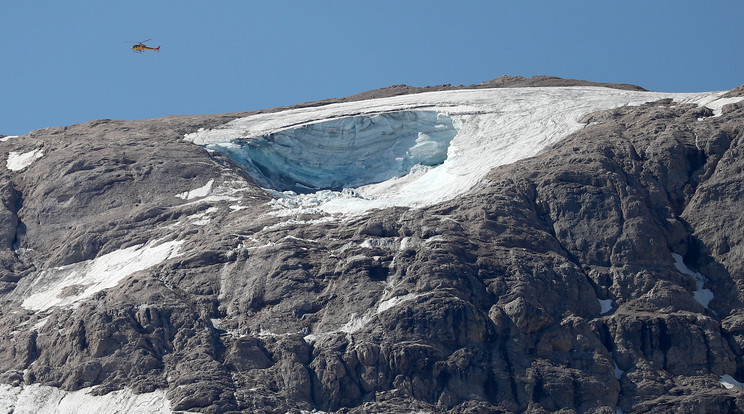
141,47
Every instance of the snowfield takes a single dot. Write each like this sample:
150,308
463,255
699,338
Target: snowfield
411,150
70,284
41,399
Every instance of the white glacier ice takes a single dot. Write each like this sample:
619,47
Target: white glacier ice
410,150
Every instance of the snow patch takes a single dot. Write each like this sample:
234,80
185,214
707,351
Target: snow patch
293,222
701,295
716,104
605,305
41,399
386,243
267,333
618,372
67,285
40,324
313,412
412,243
356,323
393,302
9,137
218,324
202,191
18,161
310,338
202,219
729,382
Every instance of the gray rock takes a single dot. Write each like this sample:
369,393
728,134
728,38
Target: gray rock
491,305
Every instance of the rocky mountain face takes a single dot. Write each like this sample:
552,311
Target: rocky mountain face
603,275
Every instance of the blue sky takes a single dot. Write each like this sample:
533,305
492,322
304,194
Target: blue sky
70,62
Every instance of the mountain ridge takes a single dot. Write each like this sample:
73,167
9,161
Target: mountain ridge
503,81
551,285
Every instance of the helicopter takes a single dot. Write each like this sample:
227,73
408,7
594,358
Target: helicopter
141,47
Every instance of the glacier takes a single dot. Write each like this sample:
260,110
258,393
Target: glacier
411,150
376,148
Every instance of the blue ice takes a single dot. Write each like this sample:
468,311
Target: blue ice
342,153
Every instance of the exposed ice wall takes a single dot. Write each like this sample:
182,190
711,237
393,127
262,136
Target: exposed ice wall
344,153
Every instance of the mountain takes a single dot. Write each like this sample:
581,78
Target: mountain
523,245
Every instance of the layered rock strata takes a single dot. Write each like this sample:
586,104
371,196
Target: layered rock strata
603,275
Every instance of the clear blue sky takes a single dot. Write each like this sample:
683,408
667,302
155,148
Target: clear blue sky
66,62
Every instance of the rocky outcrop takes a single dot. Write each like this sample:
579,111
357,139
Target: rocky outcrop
504,81
552,286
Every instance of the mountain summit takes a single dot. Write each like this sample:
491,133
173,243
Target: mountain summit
523,245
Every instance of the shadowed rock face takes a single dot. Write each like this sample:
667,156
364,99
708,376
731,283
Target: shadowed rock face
551,286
